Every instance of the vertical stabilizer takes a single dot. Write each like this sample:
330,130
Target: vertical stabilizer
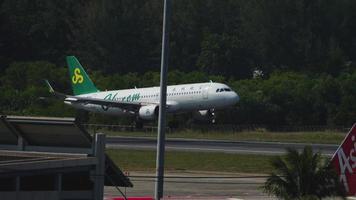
344,161
81,83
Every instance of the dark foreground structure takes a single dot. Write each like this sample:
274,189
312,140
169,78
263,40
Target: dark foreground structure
53,159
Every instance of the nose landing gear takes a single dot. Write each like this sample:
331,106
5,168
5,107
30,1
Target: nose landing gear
212,116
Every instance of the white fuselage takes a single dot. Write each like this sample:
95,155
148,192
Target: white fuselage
180,98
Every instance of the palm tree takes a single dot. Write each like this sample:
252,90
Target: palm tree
303,175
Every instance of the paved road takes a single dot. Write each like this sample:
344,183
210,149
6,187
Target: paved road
199,145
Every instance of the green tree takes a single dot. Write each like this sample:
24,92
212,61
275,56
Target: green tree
303,176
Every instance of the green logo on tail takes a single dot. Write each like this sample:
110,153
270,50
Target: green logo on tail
81,83
77,78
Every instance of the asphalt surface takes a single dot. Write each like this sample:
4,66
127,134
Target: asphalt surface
201,145
196,186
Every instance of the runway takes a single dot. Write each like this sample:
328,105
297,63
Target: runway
191,185
201,145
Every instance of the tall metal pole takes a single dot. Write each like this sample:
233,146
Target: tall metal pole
162,102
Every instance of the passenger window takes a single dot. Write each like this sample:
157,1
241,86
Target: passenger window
217,90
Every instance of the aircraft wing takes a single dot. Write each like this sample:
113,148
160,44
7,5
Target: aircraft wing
55,93
132,106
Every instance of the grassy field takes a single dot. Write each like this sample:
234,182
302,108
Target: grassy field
325,137
140,160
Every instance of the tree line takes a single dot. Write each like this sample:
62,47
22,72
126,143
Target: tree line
227,37
282,98
303,51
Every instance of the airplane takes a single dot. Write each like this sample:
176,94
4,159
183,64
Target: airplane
344,162
143,103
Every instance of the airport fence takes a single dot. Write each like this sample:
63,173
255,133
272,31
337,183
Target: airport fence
220,128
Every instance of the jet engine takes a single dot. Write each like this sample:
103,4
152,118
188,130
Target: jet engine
149,112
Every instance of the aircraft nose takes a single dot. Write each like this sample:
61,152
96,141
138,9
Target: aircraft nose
235,97
232,98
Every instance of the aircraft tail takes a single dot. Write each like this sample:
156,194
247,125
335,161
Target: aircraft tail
344,161
81,83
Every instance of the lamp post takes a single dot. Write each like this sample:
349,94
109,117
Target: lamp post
162,102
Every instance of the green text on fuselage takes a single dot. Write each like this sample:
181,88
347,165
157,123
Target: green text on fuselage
129,98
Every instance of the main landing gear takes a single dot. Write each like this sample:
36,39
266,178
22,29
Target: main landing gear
138,124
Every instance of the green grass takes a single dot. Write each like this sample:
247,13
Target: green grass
325,137
141,160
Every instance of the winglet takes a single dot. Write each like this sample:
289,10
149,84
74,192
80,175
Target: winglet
52,91
50,88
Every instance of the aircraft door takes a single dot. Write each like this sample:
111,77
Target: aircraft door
157,96
205,92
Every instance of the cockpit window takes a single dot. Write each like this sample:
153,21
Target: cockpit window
223,90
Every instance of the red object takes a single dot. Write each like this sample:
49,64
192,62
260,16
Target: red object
133,198
344,161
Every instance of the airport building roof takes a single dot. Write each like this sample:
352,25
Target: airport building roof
43,145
